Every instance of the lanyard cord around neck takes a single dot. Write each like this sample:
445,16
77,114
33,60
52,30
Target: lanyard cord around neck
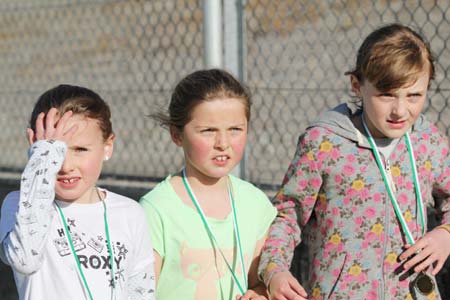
394,202
72,247
212,236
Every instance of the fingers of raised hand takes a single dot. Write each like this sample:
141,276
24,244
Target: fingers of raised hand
52,126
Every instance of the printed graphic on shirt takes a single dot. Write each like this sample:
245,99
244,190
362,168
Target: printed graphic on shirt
207,267
92,252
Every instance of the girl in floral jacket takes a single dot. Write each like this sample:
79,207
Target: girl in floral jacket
362,180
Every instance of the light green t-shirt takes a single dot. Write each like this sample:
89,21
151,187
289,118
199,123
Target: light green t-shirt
191,268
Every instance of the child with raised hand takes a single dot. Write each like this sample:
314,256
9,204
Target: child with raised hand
208,226
362,182
64,237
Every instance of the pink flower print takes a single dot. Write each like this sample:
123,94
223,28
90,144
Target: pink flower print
334,212
338,178
335,153
336,272
444,152
370,212
370,236
375,284
315,182
409,185
434,129
422,149
363,169
425,136
299,173
350,158
321,156
365,244
329,222
316,263
403,284
377,197
309,200
314,134
348,170
346,201
364,193
354,209
393,290
402,199
362,278
351,192
401,147
371,295
302,184
358,221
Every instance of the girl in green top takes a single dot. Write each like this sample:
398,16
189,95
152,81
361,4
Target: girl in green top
208,226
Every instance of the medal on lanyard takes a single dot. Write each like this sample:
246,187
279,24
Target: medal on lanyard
423,282
72,247
241,288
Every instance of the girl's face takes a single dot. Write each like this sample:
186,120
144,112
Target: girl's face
213,141
82,165
391,114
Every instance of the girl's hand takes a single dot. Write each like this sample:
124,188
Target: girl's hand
55,127
251,295
283,286
432,249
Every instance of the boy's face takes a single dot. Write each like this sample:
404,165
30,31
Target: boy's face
391,114
82,166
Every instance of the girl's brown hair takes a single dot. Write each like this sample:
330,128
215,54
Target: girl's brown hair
77,99
392,57
199,86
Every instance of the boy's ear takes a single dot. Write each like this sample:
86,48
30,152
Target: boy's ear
176,135
356,85
109,146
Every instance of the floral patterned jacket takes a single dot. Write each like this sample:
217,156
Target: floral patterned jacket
334,186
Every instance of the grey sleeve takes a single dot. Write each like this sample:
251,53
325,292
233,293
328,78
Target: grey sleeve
26,216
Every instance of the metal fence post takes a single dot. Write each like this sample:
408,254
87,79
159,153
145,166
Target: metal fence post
234,53
212,33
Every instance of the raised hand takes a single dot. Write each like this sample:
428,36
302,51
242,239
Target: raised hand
52,127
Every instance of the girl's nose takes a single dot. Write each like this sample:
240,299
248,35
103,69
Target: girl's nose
222,141
399,107
67,165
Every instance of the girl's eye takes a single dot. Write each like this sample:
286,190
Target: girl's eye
207,130
81,149
386,95
236,129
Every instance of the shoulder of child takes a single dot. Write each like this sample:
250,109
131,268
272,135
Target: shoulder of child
243,186
11,199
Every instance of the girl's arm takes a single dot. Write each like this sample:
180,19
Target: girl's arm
26,217
295,203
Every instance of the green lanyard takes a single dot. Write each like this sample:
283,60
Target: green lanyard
212,236
394,202
72,247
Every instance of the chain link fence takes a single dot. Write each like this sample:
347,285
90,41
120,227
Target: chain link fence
132,53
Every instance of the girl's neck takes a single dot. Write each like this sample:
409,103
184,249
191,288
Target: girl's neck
212,195
91,196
